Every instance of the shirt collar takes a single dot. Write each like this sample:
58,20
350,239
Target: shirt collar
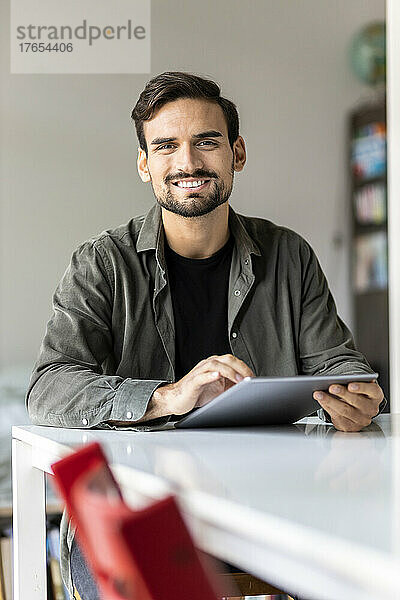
242,237
150,232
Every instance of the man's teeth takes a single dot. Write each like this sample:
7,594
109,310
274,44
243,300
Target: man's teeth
191,184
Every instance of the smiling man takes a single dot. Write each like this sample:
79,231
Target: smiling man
160,315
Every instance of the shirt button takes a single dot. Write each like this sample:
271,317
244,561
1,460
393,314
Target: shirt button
237,292
234,334
129,414
246,262
85,421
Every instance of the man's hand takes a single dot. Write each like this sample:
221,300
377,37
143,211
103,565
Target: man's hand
209,378
351,408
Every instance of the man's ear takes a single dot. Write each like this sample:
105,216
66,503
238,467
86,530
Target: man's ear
142,166
239,153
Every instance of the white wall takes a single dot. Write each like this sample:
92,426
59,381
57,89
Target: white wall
68,149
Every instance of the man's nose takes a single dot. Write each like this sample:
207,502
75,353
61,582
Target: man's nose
188,158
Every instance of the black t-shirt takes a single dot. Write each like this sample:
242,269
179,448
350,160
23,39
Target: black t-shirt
199,290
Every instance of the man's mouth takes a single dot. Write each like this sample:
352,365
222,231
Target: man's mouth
197,184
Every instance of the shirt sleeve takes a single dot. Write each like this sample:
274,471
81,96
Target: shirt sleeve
68,387
326,345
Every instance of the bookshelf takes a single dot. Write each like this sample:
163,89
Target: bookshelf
369,256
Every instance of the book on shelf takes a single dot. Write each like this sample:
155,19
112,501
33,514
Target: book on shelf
370,204
2,589
6,566
371,270
368,151
58,590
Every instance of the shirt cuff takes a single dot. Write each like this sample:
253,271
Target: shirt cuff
132,399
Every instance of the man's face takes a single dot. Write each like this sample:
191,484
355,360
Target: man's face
190,163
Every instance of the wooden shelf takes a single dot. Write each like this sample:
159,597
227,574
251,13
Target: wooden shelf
359,183
372,292
52,508
364,228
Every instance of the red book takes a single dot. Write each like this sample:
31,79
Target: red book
144,554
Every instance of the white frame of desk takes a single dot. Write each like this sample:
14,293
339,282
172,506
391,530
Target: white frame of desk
278,551
29,518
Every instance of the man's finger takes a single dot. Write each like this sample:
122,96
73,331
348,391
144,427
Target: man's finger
224,369
372,390
342,409
201,379
237,364
367,405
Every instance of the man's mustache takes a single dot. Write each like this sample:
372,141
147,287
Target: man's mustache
197,174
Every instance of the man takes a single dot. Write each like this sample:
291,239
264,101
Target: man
161,315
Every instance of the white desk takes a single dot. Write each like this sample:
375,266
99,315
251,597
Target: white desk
311,510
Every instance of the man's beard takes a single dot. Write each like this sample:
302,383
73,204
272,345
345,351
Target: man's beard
194,204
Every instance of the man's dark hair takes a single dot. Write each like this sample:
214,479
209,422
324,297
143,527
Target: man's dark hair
172,85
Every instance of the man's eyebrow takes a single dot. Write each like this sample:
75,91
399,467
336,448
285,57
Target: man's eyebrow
197,136
207,134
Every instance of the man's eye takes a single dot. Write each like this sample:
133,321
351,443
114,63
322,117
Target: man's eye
168,146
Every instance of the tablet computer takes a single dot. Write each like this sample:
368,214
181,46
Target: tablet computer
266,401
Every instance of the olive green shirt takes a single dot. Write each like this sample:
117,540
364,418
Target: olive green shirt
111,341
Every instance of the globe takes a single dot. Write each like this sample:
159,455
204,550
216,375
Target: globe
368,54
